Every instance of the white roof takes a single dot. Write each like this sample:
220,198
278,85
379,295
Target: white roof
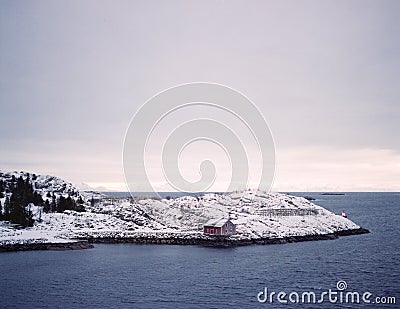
216,222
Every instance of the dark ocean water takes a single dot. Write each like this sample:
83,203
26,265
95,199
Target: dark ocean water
151,276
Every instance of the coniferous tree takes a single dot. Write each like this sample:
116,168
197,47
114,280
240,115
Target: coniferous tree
46,206
17,207
60,204
7,208
80,208
22,194
2,188
53,204
37,199
70,203
79,204
28,221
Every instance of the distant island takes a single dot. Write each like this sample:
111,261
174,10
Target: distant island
41,212
333,193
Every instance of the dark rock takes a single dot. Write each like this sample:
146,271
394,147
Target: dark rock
77,245
223,242
207,241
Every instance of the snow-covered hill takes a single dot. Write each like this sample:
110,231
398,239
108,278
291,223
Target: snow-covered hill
43,184
257,215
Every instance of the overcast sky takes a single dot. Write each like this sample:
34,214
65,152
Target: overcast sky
325,74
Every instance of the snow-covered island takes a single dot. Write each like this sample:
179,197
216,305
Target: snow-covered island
260,218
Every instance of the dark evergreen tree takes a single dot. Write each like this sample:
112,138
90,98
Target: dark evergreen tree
70,203
2,188
80,208
7,208
37,199
53,204
46,206
22,194
13,181
79,204
79,200
17,208
60,204
28,221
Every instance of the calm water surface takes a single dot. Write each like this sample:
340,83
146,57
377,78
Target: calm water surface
151,276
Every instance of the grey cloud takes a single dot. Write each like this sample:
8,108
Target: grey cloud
323,73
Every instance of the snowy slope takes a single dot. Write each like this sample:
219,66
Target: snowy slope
256,214
43,184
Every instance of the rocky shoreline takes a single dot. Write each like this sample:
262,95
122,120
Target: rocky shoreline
206,241
75,245
225,241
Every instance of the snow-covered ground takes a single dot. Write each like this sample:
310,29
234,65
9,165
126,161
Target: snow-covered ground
256,215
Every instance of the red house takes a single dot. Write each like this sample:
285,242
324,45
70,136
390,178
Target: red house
219,227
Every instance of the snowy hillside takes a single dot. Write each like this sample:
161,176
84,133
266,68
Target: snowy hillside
257,215
42,184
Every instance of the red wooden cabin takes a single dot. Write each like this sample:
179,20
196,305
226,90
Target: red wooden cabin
219,227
